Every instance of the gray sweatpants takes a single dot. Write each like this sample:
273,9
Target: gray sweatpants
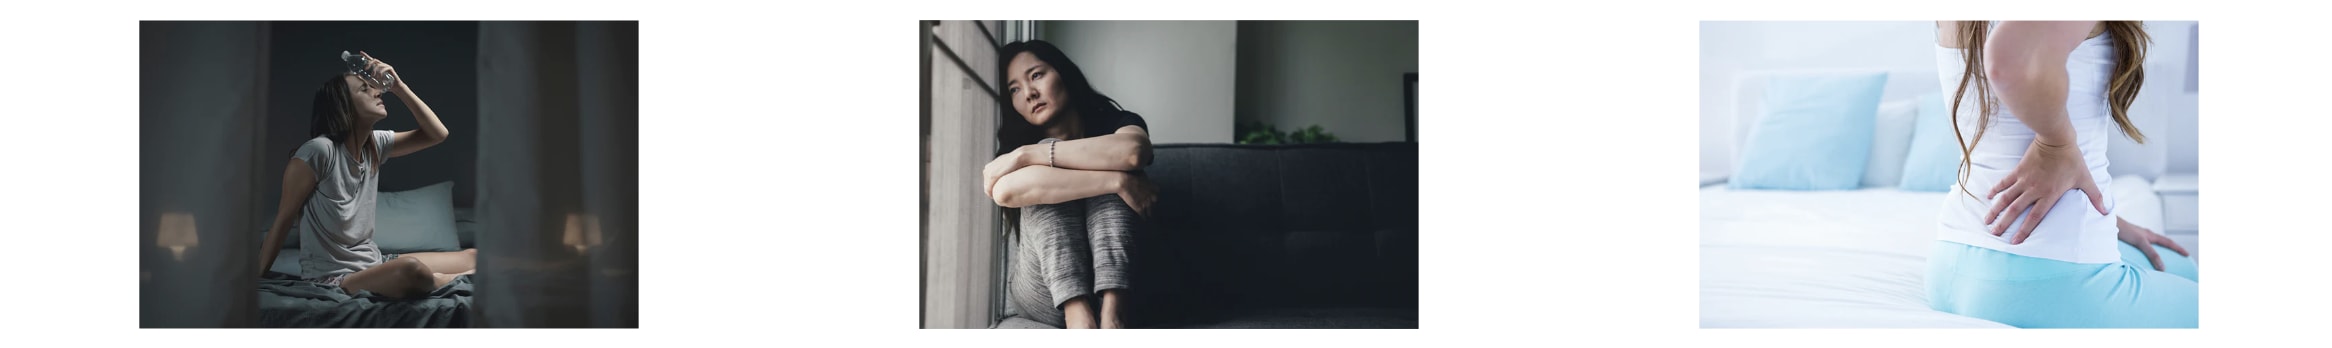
1075,248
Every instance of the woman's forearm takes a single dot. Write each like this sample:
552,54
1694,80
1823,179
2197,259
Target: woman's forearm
1036,185
269,246
1123,151
430,126
2025,62
286,213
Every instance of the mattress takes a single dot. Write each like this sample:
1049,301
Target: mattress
1834,259
291,303
285,301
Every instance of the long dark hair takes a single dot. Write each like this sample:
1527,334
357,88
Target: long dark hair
1014,130
332,114
2129,74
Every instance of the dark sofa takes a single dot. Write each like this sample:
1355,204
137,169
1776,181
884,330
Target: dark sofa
1278,236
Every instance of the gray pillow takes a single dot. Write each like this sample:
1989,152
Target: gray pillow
465,224
290,241
416,220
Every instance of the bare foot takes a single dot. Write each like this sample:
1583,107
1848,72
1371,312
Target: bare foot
442,279
1077,314
1110,303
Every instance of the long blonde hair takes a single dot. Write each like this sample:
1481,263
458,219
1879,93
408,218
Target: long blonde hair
2129,45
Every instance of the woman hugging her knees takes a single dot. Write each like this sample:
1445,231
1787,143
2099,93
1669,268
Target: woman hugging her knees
1073,173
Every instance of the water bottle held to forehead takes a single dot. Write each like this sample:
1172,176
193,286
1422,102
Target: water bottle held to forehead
358,64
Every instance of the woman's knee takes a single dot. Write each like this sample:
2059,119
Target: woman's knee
1052,218
1052,210
415,273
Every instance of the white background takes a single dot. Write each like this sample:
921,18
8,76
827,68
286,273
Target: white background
1555,212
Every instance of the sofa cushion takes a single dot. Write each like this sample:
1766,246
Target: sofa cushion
1324,189
1244,227
1227,188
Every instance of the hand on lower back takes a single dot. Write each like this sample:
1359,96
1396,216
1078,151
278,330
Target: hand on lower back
2044,175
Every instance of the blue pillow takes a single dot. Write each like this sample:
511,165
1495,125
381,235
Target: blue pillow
1933,164
416,220
1814,134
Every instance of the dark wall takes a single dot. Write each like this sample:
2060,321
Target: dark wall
437,59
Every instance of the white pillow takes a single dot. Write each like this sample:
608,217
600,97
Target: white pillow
1890,143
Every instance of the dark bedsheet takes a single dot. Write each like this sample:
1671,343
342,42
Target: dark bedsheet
286,301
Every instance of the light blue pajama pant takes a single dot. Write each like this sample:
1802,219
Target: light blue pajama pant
2031,292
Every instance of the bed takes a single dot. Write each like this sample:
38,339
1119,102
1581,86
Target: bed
287,302
415,220
1835,259
1839,258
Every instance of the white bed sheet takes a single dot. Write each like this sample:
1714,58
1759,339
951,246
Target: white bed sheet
1834,259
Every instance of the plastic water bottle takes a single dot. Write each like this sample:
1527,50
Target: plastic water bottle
356,65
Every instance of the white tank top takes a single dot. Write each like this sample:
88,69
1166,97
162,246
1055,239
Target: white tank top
2072,231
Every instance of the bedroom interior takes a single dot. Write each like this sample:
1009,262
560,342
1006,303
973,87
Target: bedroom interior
1855,256
540,174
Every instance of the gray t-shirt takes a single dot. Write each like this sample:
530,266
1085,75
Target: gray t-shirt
336,223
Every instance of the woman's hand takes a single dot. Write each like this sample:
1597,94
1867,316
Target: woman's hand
1138,193
2037,182
2145,240
382,70
1002,165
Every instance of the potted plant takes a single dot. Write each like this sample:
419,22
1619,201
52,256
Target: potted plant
1252,132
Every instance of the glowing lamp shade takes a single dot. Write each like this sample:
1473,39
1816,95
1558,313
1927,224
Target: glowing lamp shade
176,232
582,232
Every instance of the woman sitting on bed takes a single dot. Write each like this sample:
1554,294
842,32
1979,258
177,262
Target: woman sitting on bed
329,191
1072,170
2028,239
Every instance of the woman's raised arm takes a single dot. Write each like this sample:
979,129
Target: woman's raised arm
432,131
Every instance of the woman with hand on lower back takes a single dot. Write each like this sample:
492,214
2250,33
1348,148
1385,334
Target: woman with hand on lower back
2028,238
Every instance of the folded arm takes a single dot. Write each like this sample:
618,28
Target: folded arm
1127,149
1036,185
